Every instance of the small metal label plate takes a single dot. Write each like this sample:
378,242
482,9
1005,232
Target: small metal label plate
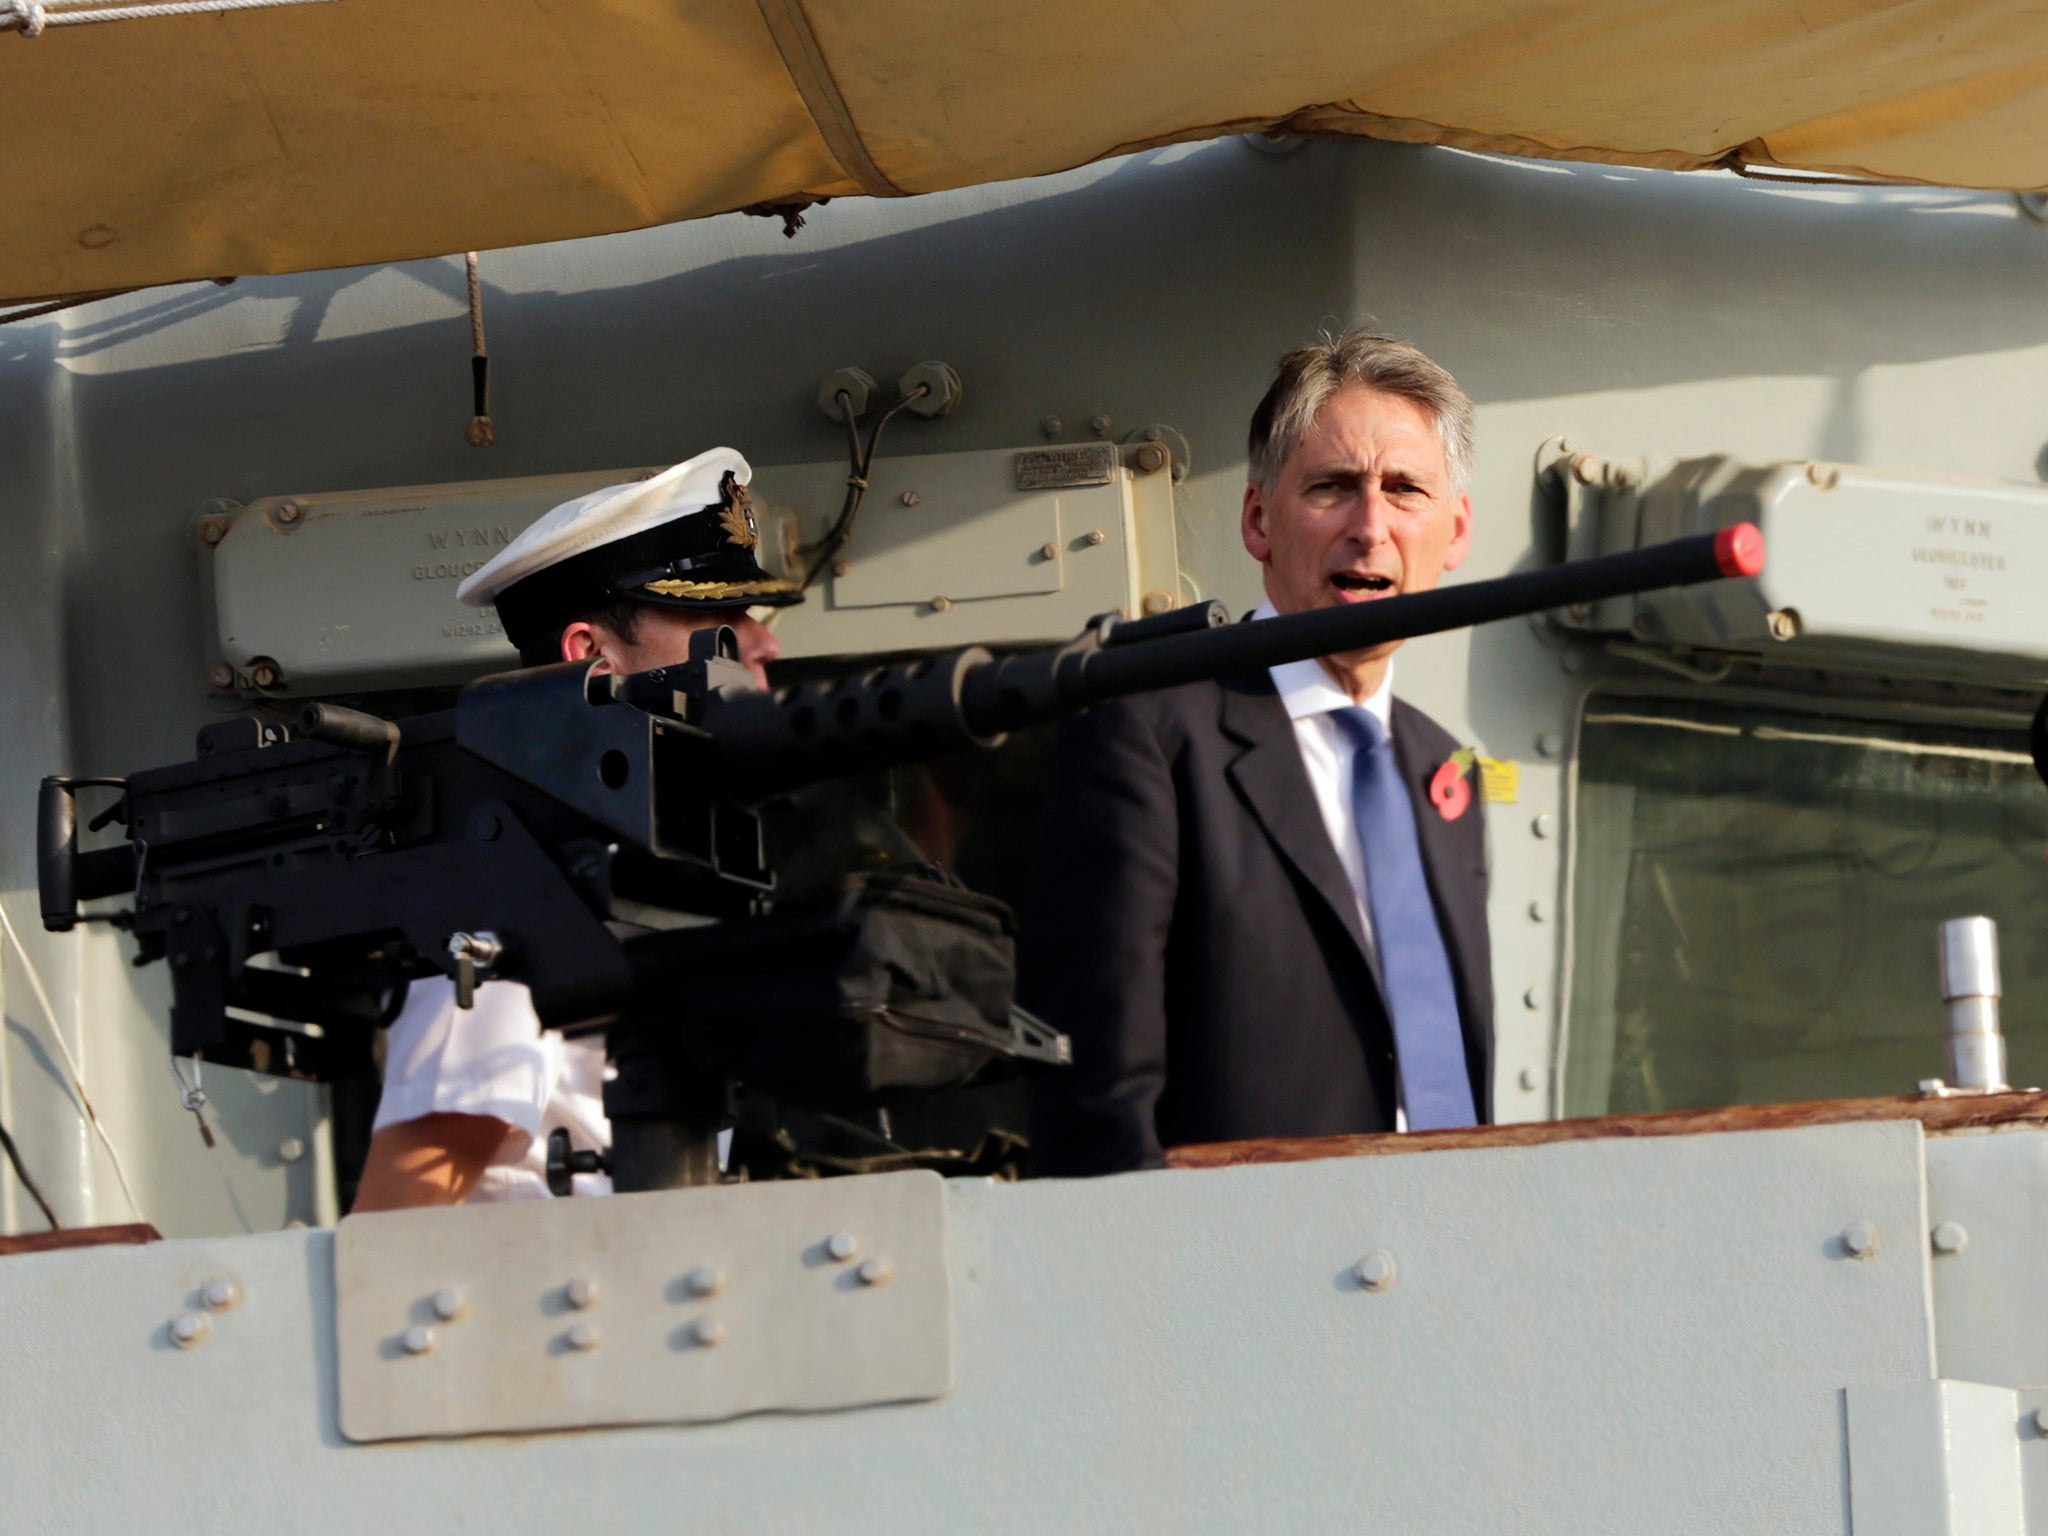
787,1325
1051,469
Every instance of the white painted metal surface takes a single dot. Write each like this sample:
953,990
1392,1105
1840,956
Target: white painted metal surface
643,1309
1909,560
357,588
949,551
1598,1336
1935,1458
1864,563
1990,1303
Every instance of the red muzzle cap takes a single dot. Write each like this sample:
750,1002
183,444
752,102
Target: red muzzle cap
1739,550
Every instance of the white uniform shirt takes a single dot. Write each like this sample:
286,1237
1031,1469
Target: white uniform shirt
1311,697
495,1059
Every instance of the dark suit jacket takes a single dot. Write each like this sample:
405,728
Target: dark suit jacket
1192,929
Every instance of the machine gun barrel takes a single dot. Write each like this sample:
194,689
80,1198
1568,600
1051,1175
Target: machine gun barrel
767,742
1002,697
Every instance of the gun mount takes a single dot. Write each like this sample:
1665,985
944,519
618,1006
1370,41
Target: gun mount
596,837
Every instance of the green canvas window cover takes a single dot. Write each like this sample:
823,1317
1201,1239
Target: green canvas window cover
1755,895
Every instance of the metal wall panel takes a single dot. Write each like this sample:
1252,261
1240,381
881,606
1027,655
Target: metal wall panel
1935,1458
1987,1208
1592,1336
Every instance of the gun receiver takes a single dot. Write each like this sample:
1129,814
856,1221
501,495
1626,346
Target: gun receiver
596,838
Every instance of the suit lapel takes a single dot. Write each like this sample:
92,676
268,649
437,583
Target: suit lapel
1273,782
1446,854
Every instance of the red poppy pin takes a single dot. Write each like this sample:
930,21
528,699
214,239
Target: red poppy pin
1450,788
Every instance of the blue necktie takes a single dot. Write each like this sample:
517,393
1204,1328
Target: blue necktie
1421,997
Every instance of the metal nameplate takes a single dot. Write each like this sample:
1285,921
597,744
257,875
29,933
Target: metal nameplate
1051,469
680,1306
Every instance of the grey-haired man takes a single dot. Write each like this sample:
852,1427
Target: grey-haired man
1260,904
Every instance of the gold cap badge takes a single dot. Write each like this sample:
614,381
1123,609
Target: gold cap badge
736,513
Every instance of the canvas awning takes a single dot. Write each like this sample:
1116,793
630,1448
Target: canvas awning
146,151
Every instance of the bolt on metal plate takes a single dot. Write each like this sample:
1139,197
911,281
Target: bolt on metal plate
220,1295
1375,1272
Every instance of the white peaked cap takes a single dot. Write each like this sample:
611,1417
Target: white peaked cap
604,517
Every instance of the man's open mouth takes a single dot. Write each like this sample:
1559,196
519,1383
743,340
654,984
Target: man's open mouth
1346,581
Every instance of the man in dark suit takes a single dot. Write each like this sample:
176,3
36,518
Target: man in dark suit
1260,903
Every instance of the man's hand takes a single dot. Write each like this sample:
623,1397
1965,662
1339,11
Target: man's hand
434,1160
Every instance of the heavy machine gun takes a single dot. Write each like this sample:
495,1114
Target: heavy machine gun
597,838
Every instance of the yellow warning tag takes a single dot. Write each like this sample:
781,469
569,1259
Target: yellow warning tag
1500,780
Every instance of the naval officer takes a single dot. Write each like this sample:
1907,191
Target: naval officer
1260,904
620,578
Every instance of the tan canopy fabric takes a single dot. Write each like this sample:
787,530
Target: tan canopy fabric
324,135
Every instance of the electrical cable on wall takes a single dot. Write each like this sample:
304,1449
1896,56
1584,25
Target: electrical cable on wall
35,982
28,1182
857,476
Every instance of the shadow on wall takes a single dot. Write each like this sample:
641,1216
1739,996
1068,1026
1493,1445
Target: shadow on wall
1535,279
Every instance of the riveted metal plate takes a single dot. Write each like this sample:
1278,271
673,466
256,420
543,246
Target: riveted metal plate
786,1324
1047,469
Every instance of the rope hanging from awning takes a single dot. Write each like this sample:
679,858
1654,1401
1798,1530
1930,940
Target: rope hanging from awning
480,434
32,18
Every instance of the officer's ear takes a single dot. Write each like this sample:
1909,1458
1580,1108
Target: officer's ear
582,642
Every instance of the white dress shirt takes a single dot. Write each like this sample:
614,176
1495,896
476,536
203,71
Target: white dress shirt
495,1059
1311,697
